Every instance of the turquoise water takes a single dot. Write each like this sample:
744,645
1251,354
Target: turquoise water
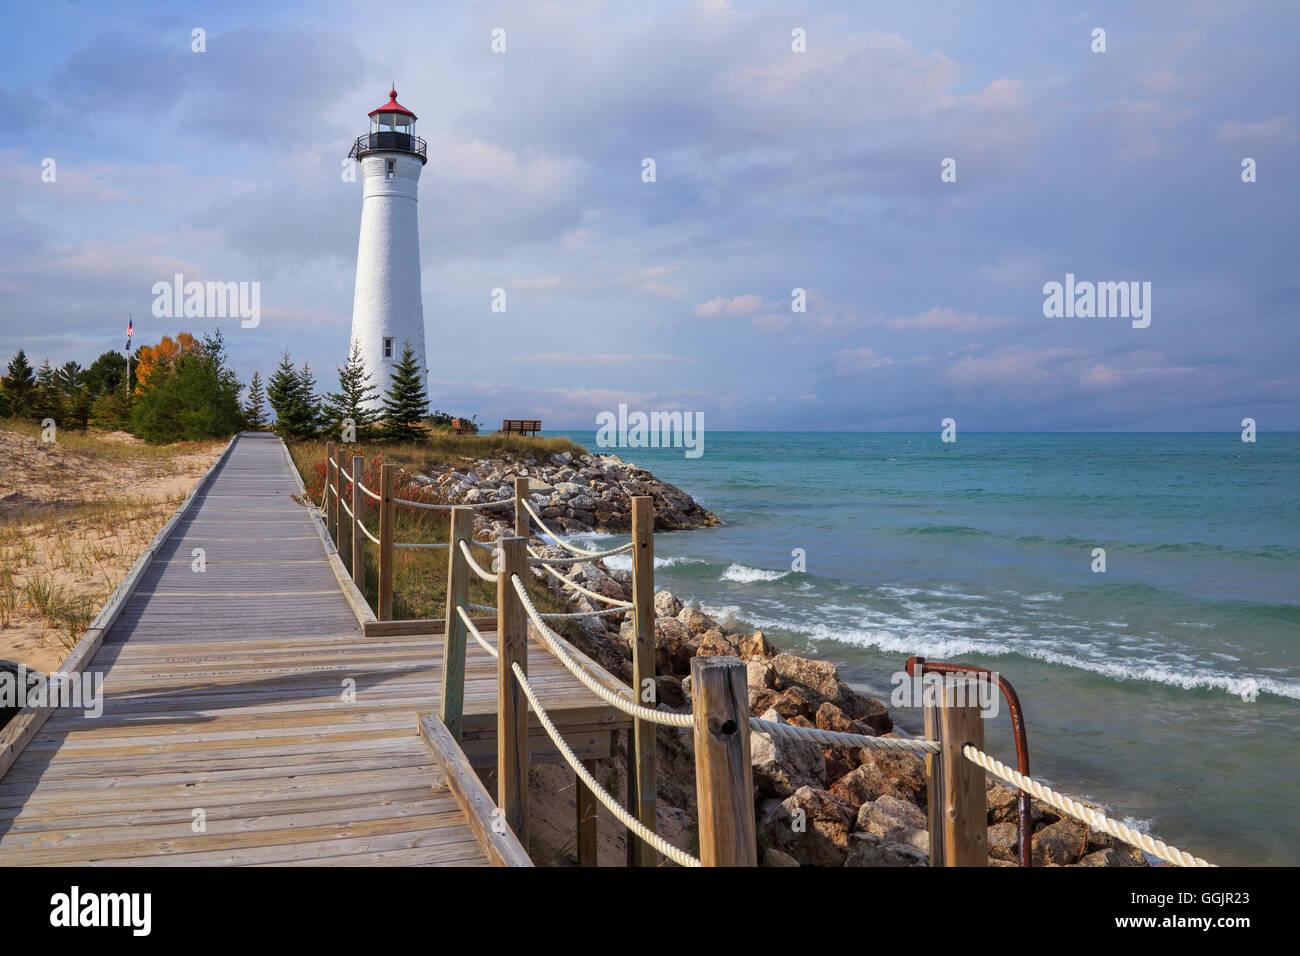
981,551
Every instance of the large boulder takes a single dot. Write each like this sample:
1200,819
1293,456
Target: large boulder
893,773
1060,843
782,765
831,717
696,620
819,676
756,646
867,849
1004,842
1111,857
672,637
666,604
895,821
811,826
715,643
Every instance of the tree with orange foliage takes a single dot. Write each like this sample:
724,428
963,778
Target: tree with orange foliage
156,361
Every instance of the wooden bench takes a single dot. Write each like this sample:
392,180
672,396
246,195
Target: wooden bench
522,426
462,427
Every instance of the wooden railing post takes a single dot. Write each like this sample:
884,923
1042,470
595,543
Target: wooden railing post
358,535
339,471
586,822
643,667
512,706
453,648
387,511
958,811
724,785
523,527
331,492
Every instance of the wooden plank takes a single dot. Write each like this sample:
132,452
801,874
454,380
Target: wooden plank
498,842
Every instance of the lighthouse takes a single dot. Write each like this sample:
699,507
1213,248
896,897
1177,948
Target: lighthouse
387,312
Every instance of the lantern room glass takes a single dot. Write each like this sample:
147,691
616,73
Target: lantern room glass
392,123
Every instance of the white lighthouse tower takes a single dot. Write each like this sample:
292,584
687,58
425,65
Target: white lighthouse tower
387,311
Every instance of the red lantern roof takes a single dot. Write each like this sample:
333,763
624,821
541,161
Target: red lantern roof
392,106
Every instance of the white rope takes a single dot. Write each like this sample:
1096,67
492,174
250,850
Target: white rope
579,588
331,463
577,614
430,507
836,738
344,504
485,608
370,493
569,547
546,561
1094,818
473,631
483,545
362,526
555,644
474,566
680,857
413,545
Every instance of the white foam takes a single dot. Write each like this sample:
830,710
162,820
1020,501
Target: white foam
743,574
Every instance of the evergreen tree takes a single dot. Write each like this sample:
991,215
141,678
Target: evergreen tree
106,373
406,405
193,396
352,400
49,394
19,386
292,395
255,409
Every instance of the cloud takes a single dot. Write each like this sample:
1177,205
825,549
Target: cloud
1270,132
739,305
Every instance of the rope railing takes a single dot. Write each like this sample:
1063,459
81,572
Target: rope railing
474,632
439,507
368,492
474,565
344,504
579,588
837,738
364,531
420,545
555,644
680,857
485,608
1094,818
573,549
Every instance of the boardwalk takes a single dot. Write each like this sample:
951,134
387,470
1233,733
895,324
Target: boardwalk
225,704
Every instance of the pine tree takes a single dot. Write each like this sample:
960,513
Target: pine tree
255,410
49,394
19,384
292,393
352,400
406,405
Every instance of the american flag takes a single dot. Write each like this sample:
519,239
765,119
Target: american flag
130,331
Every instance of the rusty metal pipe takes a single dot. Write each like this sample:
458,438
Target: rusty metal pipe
1024,820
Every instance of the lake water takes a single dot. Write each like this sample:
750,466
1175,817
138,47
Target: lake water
1166,688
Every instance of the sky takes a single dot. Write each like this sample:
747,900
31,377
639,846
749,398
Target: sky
775,170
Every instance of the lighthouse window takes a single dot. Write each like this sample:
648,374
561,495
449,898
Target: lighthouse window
392,169
388,343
